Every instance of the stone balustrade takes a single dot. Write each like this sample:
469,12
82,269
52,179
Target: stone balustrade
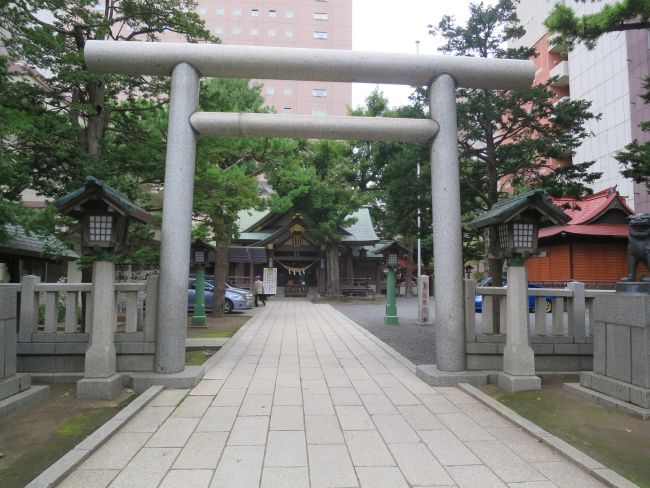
562,339
56,340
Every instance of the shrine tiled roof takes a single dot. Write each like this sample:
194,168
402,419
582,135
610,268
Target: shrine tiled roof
609,230
588,209
362,231
508,209
251,225
22,243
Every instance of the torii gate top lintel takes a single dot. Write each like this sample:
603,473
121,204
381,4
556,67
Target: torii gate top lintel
218,60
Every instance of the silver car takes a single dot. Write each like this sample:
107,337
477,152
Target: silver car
236,298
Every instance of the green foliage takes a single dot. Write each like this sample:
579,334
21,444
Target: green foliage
624,15
521,138
315,184
219,195
387,173
226,168
59,122
571,29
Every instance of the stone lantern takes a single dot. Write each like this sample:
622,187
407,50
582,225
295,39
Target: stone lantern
104,214
200,251
518,221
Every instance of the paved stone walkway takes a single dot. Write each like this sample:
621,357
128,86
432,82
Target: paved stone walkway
303,397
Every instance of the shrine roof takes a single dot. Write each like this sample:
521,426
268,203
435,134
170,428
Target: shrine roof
22,243
362,231
610,230
252,227
509,209
588,209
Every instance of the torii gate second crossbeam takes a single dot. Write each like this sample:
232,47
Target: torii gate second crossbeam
186,63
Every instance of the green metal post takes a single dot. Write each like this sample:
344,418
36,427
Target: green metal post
198,318
391,317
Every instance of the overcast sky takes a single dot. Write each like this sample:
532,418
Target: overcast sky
395,26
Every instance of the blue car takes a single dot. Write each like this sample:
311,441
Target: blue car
235,299
478,299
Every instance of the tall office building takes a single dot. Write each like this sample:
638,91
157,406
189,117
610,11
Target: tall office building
322,24
610,76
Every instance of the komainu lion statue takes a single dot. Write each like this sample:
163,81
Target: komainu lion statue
638,248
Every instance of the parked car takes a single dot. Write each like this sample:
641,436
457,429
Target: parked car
478,299
236,298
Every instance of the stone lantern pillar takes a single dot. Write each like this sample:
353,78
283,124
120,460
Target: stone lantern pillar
104,215
517,221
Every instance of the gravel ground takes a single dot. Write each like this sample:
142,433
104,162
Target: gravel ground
415,342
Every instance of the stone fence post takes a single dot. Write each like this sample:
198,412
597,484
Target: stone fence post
576,311
28,308
16,392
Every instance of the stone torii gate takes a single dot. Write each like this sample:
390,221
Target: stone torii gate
186,63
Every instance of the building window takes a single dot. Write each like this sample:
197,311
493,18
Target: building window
320,35
272,32
287,110
221,11
236,31
273,13
320,112
255,12
218,29
255,32
289,14
288,91
203,10
288,33
321,15
236,12
270,90
297,241
319,92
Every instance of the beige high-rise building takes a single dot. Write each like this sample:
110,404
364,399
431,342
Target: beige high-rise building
321,24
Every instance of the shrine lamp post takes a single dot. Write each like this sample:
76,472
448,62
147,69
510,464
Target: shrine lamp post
199,257
104,215
391,253
518,221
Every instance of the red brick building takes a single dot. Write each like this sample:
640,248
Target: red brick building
591,248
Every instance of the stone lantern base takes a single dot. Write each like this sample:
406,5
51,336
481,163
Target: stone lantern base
100,388
512,383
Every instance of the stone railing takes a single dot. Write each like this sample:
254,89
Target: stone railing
562,339
56,340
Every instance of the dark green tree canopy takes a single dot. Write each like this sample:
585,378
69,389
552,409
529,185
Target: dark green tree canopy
621,16
86,112
511,140
59,122
570,28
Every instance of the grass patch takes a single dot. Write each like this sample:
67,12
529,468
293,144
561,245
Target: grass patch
197,358
216,333
62,440
617,440
79,425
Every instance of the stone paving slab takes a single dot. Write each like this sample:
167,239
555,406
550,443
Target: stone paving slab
303,397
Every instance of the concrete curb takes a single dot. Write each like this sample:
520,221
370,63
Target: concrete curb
202,342
60,469
577,457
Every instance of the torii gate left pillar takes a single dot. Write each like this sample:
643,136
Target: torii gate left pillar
176,232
